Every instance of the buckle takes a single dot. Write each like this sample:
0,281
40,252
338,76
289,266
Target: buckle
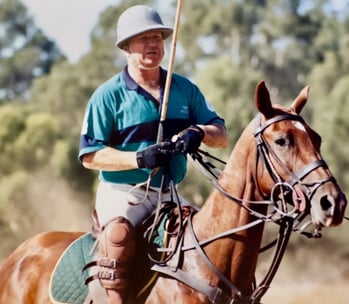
166,190
108,263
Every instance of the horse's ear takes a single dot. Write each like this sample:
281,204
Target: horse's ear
262,100
300,100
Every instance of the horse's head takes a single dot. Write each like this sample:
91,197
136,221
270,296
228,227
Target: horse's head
289,160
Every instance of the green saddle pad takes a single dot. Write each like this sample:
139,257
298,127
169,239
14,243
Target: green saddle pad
67,281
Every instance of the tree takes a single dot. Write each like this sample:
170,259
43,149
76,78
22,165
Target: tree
25,52
12,125
224,46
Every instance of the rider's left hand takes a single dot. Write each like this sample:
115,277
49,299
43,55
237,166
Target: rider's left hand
189,140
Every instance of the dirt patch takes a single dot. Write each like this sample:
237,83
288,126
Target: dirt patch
313,271
307,294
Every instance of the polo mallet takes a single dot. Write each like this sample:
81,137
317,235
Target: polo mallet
164,107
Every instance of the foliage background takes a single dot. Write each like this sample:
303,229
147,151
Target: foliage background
226,47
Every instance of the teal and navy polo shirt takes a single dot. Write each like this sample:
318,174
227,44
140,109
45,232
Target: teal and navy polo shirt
121,114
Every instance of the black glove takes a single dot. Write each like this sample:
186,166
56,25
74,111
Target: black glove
154,156
189,140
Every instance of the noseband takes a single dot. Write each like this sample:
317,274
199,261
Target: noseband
301,196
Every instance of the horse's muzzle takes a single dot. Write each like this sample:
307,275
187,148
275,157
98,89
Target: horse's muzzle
328,209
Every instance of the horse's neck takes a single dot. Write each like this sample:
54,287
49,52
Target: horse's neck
220,213
237,180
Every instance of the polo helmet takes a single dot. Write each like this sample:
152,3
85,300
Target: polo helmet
139,19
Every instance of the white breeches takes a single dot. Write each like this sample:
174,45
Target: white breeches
131,202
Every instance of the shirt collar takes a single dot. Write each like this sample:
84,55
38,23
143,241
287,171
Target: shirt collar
132,85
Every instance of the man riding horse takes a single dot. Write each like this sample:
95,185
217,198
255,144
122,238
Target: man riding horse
119,138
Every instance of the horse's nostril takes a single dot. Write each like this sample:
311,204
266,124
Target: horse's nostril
325,203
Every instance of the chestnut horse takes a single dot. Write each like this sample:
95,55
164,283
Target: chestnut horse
276,152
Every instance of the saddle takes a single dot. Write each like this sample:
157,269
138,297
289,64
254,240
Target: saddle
157,233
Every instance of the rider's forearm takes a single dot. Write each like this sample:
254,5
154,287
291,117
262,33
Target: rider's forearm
216,135
110,159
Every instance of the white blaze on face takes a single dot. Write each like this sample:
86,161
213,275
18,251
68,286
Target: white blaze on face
299,126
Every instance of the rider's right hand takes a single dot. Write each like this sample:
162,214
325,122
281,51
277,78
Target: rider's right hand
157,155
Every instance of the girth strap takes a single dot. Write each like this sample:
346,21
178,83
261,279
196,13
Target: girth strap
208,262
214,294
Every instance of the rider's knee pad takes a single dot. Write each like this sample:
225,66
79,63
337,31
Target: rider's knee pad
117,249
119,232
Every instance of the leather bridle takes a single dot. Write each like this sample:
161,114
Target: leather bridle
265,152
283,195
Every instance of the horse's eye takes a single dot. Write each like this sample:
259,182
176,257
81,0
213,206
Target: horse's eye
281,142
